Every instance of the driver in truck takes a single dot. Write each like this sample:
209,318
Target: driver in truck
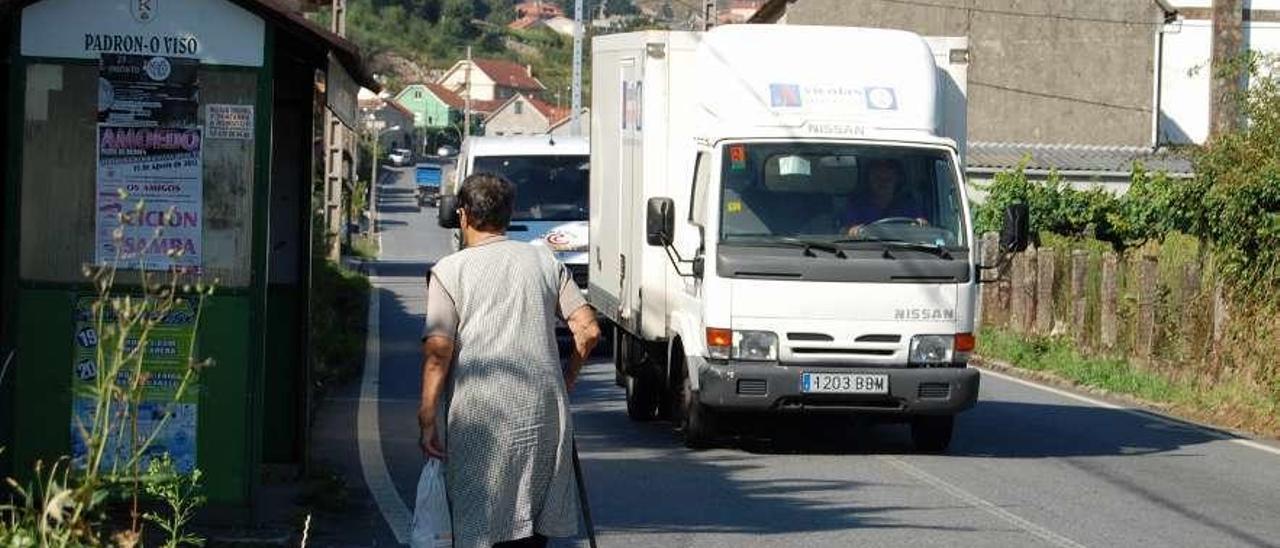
882,199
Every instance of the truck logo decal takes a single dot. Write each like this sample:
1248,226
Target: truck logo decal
924,314
881,98
785,95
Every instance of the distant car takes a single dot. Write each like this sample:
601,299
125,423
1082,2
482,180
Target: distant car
446,151
400,157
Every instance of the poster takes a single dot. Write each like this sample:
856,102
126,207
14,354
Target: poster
229,122
149,198
165,362
147,91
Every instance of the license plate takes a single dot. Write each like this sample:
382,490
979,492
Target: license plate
843,383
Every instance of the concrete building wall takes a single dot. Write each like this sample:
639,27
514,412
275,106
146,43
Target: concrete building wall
528,121
1046,71
482,87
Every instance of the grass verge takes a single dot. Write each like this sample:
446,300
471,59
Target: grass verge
339,318
1228,402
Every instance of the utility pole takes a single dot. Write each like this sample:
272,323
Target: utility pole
466,102
576,103
335,144
1225,85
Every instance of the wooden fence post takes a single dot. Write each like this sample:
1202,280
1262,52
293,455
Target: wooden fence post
1046,267
1145,330
1079,266
1191,312
1220,318
989,315
1107,321
1027,314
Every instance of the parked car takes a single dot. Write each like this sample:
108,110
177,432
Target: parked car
400,157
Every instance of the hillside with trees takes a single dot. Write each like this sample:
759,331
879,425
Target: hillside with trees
408,41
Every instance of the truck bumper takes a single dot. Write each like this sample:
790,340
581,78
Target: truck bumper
750,386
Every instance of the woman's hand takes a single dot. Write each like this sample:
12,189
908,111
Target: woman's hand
429,439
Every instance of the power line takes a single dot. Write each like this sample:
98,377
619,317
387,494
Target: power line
1058,97
1011,13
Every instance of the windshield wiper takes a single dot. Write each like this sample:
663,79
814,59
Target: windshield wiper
810,245
889,244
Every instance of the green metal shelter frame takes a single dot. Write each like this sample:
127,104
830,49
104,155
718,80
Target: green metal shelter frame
253,402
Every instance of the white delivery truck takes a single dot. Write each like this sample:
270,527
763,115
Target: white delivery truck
779,224
551,179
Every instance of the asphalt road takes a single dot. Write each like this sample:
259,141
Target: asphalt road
1029,466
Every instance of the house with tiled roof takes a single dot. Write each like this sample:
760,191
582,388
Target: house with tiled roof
491,80
433,105
524,115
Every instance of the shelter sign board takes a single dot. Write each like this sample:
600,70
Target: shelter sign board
216,32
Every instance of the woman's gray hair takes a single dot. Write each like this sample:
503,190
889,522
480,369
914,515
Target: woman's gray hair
488,200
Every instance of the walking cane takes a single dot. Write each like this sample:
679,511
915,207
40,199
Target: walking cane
582,497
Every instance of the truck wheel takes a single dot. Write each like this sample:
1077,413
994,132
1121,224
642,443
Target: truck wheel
932,434
642,397
697,422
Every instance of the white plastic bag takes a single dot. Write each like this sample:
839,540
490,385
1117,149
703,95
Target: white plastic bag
431,526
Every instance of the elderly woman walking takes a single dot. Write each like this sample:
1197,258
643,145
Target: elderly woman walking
494,395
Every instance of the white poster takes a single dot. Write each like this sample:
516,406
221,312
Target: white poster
229,122
149,198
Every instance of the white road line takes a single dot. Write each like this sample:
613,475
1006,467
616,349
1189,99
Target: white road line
369,436
981,504
1140,413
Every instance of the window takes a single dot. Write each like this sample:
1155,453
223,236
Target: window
417,94
58,204
836,192
519,106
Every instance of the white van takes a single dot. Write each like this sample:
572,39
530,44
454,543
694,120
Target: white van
779,224
551,176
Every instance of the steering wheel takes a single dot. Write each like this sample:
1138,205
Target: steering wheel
894,221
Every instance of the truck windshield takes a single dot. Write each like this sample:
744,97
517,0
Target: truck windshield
548,188
839,194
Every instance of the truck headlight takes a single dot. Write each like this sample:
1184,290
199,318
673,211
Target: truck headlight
724,344
932,349
755,346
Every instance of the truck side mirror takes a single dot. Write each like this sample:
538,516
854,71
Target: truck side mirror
447,217
1015,235
660,222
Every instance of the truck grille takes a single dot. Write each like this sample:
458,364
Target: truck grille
579,273
753,387
934,390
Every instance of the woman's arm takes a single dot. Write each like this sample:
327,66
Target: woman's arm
437,354
586,333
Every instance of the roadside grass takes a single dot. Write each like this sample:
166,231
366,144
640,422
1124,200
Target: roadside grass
339,317
1226,402
363,245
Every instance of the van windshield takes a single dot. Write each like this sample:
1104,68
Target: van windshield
839,194
548,188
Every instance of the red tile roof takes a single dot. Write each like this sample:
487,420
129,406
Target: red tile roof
509,74
524,23
538,8
453,100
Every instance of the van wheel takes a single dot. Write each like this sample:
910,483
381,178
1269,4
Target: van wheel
932,434
642,396
697,421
